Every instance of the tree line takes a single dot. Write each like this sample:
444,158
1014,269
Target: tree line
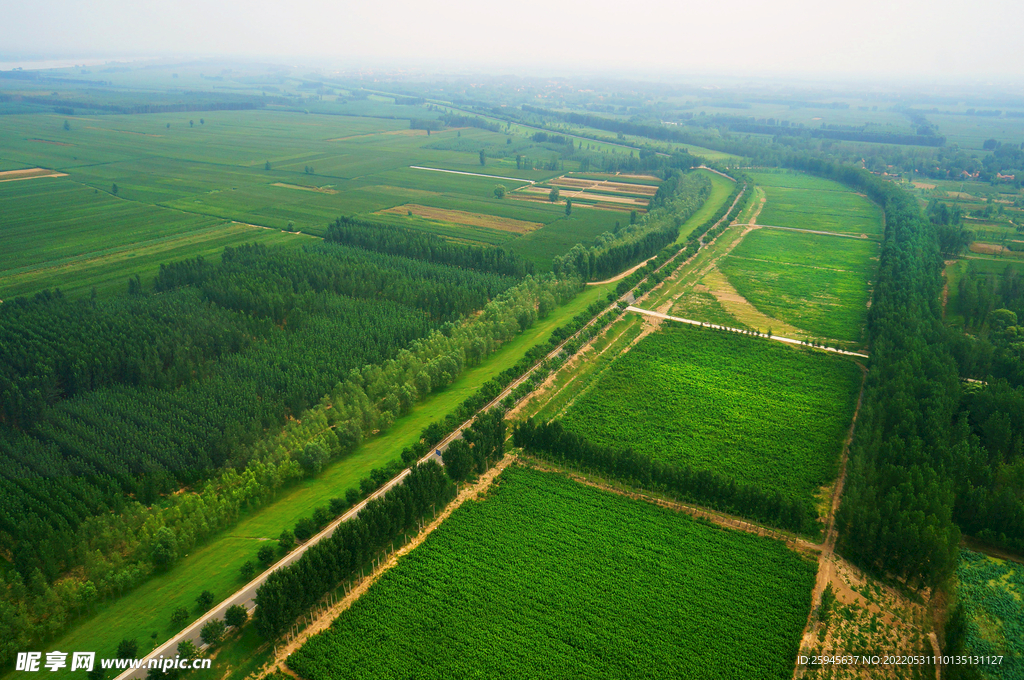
292,590
392,240
551,441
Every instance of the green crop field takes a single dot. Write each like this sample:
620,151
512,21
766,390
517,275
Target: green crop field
992,593
583,226
720,190
191,173
806,202
547,578
60,234
821,284
750,409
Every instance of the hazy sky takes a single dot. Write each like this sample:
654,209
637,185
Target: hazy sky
933,38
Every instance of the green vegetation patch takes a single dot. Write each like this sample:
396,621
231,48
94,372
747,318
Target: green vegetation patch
821,284
992,593
556,238
751,409
547,578
721,188
805,202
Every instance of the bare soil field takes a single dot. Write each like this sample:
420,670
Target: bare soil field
617,187
867,617
47,141
29,173
583,195
464,218
319,190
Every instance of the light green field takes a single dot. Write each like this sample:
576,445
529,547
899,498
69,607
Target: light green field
58,233
215,565
806,202
818,283
991,591
587,584
720,190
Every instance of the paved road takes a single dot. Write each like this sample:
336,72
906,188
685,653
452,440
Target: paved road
777,338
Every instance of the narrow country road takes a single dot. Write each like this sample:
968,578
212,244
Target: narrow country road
777,338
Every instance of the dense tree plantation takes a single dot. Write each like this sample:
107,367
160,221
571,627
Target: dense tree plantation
392,240
547,578
109,405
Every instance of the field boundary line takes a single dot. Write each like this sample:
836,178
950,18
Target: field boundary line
713,326
716,517
619,277
862,237
471,174
825,564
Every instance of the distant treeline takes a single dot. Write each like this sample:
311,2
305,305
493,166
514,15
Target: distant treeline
67,105
848,135
459,120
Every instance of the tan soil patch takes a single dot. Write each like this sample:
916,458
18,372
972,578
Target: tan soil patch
47,141
402,133
319,190
618,187
464,218
993,249
29,173
923,185
867,617
123,132
740,308
649,177
582,194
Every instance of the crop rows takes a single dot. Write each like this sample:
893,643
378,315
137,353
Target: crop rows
818,283
749,409
550,579
992,593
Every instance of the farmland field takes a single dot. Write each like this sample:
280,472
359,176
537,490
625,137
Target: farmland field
806,202
720,190
546,578
992,593
748,409
60,234
818,283
181,172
